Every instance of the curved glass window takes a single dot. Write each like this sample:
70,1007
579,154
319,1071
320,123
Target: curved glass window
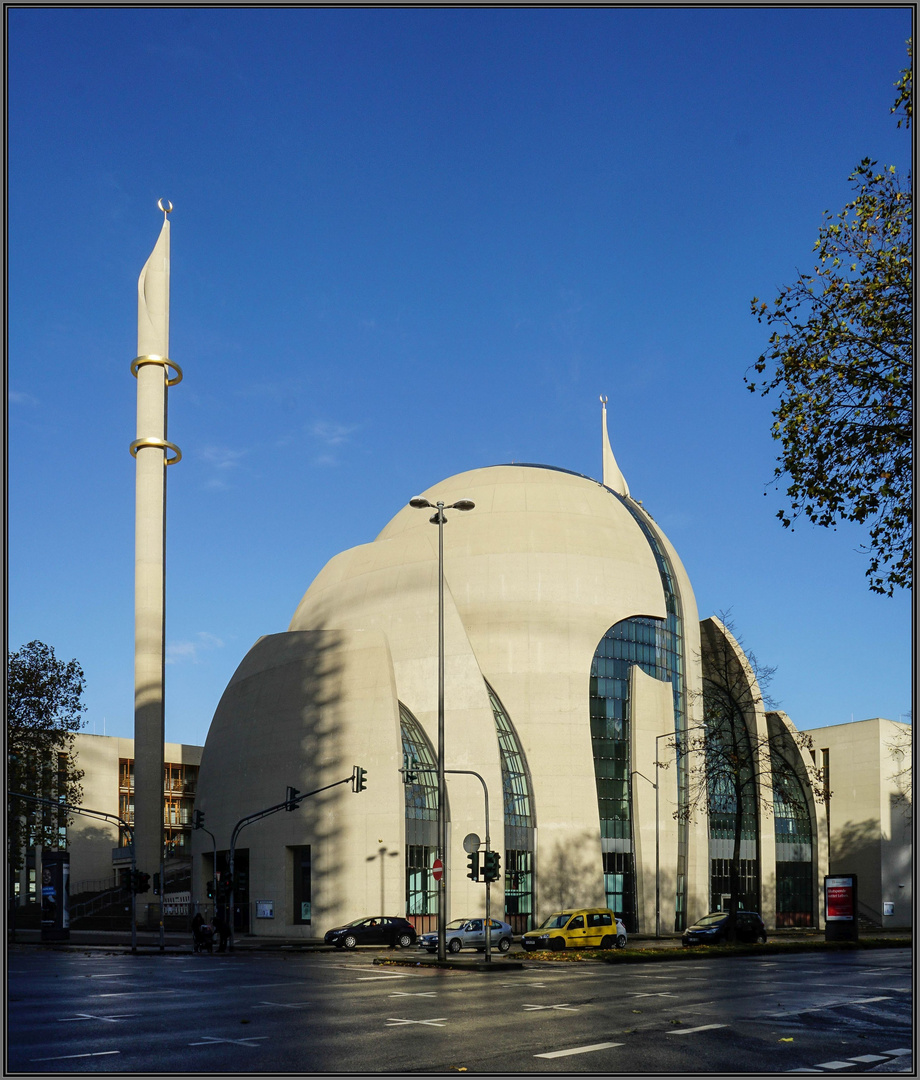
648,642
518,819
421,819
792,827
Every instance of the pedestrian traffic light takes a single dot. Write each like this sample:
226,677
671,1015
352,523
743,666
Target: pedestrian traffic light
358,778
491,866
290,799
156,884
473,860
142,882
210,890
197,819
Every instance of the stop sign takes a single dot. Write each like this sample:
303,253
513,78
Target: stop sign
437,871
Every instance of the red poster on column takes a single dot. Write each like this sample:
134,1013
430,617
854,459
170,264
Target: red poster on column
839,898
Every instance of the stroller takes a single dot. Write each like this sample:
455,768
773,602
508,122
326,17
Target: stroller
202,936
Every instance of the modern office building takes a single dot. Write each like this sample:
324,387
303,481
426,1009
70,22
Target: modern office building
574,658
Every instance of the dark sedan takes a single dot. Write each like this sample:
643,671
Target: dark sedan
374,930
711,929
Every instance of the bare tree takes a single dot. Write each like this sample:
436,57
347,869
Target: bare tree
736,763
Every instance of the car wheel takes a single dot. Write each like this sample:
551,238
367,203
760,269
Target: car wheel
557,944
607,942
621,941
350,942
763,939
504,944
453,945
404,940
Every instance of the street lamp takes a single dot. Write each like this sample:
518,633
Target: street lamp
438,519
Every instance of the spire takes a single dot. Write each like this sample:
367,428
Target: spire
613,478
153,296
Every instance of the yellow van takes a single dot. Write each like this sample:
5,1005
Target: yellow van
584,928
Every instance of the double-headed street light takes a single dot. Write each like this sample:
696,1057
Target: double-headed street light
438,519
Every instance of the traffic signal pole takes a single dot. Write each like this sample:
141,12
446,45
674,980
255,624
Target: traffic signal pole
293,798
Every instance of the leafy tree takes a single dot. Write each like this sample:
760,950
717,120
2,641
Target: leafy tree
734,764
44,711
841,357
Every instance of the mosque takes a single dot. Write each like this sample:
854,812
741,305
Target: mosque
574,664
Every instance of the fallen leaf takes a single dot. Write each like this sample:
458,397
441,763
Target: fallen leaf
785,1040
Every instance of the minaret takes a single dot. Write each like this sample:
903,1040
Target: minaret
613,478
154,372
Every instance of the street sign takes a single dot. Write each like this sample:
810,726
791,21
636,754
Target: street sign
437,871
471,843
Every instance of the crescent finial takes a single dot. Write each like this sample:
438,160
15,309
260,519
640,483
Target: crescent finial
167,209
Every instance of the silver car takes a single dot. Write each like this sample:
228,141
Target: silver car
470,934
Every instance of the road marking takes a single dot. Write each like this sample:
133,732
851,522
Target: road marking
866,1058
392,1021
284,1004
837,1065
567,1007
134,993
898,1053
578,1050
522,984
90,1016
68,1057
409,993
663,993
209,1040
376,978
690,1031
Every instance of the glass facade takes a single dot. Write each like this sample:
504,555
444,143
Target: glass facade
519,822
792,827
651,644
421,818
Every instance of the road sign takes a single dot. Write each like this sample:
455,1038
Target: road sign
437,871
471,843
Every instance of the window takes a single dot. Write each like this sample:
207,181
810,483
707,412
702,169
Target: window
421,801
302,882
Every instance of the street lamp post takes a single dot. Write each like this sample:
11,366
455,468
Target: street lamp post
438,519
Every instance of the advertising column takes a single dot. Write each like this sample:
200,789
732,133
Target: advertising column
840,908
55,896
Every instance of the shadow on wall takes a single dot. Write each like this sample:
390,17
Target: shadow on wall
570,875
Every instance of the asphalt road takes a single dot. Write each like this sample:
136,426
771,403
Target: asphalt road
92,1011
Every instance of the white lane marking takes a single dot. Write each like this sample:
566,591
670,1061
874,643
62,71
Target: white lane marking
866,1058
567,1007
837,1065
663,993
690,1031
898,1053
68,1057
134,993
522,984
392,1021
578,1050
409,993
91,1016
112,975
377,978
284,1004
209,1040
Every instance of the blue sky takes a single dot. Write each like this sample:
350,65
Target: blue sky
407,243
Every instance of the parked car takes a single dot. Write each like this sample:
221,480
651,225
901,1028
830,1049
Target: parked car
470,934
710,930
586,928
374,930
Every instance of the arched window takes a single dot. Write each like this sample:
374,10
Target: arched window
650,643
793,833
519,821
421,820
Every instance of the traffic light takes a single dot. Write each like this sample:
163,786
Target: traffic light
142,882
210,890
130,881
491,866
473,860
289,799
410,776
358,778
197,819
156,884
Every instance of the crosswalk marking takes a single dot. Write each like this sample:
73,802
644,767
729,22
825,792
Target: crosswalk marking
578,1050
690,1031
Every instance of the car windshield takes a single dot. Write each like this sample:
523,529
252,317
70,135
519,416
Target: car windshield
457,924
710,920
559,919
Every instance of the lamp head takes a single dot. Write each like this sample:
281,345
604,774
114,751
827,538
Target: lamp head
463,504
418,503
